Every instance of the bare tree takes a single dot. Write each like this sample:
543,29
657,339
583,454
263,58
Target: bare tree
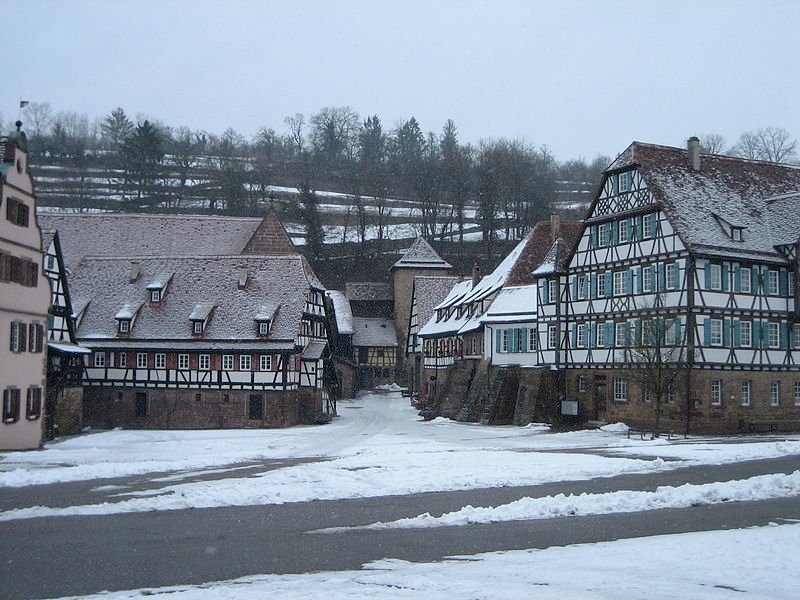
773,144
40,115
296,125
712,143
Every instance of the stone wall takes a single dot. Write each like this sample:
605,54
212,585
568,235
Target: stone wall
69,411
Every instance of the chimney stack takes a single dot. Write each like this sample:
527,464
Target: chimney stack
134,271
476,275
555,227
242,277
693,148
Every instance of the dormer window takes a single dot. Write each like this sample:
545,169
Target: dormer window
200,317
157,288
263,327
124,325
197,327
736,233
125,317
264,318
155,296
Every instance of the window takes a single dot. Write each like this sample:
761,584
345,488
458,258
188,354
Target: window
10,405
773,335
670,333
141,360
716,332
647,279
155,296
17,212
183,361
244,362
624,230
602,235
582,383
744,280
226,398
553,291
161,360
198,397
774,393
141,404
552,336
123,359
716,277
772,283
671,395
619,283
473,345
227,362
533,340
648,226
504,340
601,285
620,389
204,362
625,181
33,405
797,393
796,336
746,388
583,287
647,395
736,234
746,334
99,359
18,337
35,338
197,327
265,362
581,335
19,270
263,327
716,392
670,274
124,325
601,335
621,335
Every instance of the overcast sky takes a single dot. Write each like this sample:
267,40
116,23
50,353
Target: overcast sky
583,78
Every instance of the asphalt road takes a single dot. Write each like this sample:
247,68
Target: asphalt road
52,557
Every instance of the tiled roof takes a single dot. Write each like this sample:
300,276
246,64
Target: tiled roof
344,314
725,186
201,287
105,234
270,238
421,256
377,333
513,304
429,291
539,246
368,290
47,238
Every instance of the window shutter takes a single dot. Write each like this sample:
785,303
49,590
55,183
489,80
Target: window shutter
765,334
513,339
726,333
593,236
499,340
756,275
638,227
678,331
593,335
725,270
662,276
609,340
639,278
677,275
615,232
575,287
707,331
783,283
545,291
737,279
593,286
653,223
575,336
609,283
756,334
737,333
523,345
707,270
23,337
784,334
629,277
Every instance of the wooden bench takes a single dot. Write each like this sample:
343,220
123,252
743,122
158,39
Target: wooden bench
642,432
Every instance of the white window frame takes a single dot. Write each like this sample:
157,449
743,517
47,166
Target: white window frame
155,296
624,231
620,386
504,340
716,392
552,291
772,283
773,335
122,359
716,332
795,335
581,335
745,334
245,362
600,340
583,287
124,325
265,362
716,277
99,359
745,279
647,278
160,360
183,361
263,327
647,227
747,392
552,337
621,334
583,383
620,283
227,362
533,339
204,362
197,326
669,275
647,394
602,239
601,285
141,360
774,393
797,393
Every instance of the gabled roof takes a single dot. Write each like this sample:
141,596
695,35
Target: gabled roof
199,286
270,237
429,292
513,305
371,332
368,291
540,249
344,314
725,186
421,256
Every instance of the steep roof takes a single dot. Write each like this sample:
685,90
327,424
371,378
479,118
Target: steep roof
374,332
270,237
512,305
203,287
344,314
121,234
368,291
540,248
734,189
429,292
421,256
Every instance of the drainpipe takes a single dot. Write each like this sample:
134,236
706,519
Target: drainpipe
691,323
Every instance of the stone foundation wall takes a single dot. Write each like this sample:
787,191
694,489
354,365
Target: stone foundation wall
69,411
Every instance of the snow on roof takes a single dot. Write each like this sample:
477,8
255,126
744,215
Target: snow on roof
429,292
556,260
513,304
368,291
344,314
421,255
266,313
128,311
374,332
159,281
724,185
495,280
199,284
456,294
314,350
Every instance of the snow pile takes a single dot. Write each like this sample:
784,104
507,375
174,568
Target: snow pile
763,487
615,428
388,387
700,566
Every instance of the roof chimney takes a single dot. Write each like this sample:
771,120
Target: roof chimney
476,275
693,148
242,277
555,227
134,271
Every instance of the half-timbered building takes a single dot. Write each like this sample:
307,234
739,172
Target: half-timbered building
702,249
375,348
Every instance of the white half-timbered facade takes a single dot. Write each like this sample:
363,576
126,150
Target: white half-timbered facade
701,244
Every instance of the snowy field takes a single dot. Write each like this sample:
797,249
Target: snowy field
379,446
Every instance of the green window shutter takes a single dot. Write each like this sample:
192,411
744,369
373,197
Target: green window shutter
614,232
707,331
784,333
756,275
726,333
593,287
756,334
575,336
523,335
629,282
639,227
609,340
609,283
707,269
545,291
639,278
678,331
677,275
783,283
737,279
593,335
653,223
737,333
499,338
614,185
593,236
575,287
725,269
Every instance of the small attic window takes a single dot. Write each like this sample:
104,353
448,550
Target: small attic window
124,325
263,327
737,233
155,296
197,327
